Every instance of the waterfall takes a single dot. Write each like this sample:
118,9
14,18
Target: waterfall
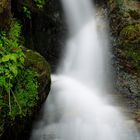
86,52
77,108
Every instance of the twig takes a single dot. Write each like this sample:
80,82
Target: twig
16,101
9,102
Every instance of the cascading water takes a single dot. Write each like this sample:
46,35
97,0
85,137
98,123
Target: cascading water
76,108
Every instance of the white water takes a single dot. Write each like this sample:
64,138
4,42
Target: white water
76,108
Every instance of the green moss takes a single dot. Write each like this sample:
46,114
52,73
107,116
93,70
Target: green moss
133,57
129,40
38,62
130,34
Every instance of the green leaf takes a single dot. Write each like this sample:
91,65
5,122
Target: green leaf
5,58
14,70
2,81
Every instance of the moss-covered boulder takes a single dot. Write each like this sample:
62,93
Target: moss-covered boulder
18,125
38,63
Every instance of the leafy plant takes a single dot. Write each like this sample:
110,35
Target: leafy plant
27,12
18,85
39,3
11,58
25,93
32,5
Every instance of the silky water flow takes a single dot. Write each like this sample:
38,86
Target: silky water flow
77,108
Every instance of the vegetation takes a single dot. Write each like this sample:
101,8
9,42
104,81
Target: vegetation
133,57
18,85
125,26
129,39
32,5
20,82
130,33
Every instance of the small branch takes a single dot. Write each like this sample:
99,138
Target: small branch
16,101
9,102
9,99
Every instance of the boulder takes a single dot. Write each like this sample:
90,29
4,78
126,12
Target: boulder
37,62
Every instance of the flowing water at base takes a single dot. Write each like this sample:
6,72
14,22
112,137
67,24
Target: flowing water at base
77,108
74,112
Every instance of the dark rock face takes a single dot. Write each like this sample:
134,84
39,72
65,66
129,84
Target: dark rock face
5,13
128,85
49,32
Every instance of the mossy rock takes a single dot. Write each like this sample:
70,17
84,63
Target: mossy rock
123,13
124,18
130,34
129,42
38,63
125,25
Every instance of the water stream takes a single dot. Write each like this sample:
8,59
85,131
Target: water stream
77,108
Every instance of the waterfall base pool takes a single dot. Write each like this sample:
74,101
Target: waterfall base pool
74,112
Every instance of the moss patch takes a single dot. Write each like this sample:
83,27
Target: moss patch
130,34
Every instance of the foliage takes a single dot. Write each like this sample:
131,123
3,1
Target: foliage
18,86
11,56
31,5
133,56
26,94
27,12
39,3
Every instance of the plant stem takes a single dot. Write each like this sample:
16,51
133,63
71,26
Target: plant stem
9,102
16,101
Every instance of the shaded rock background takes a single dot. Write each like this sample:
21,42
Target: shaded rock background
49,32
